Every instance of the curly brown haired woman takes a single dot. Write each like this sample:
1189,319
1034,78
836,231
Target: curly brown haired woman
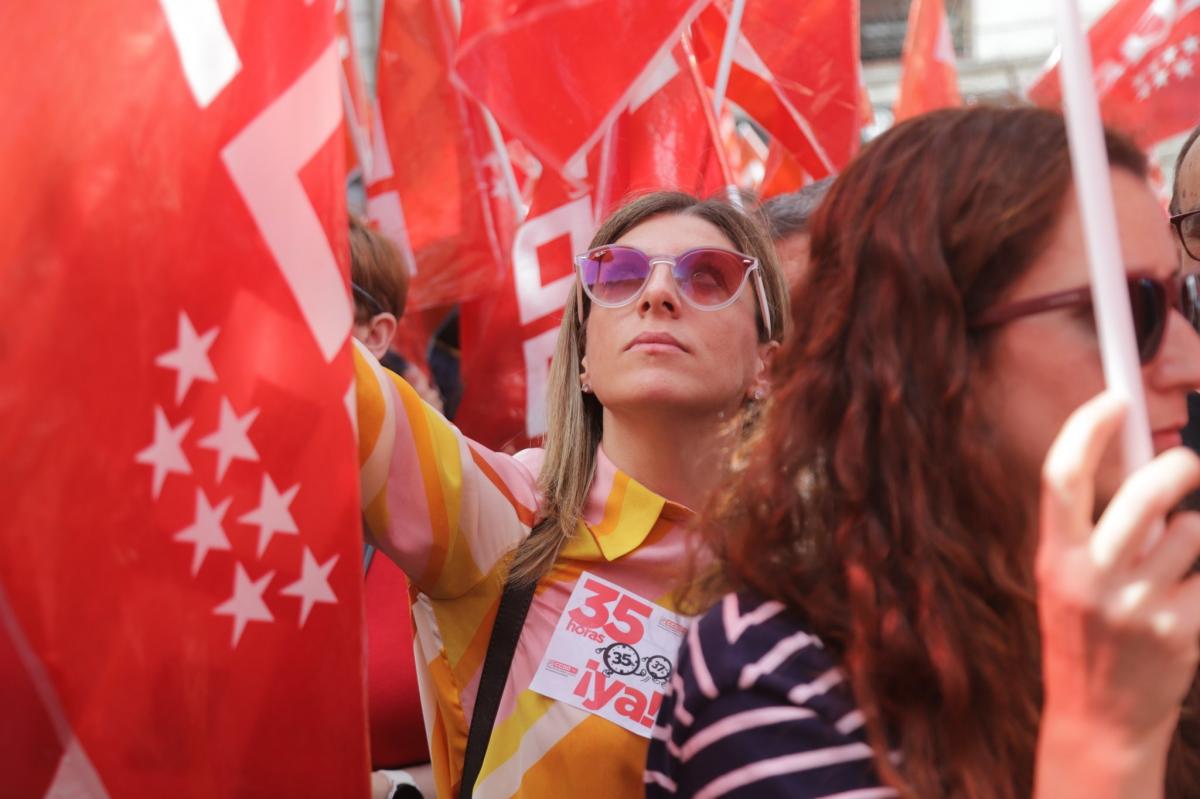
937,581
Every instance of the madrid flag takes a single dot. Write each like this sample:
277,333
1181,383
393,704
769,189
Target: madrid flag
1146,66
179,544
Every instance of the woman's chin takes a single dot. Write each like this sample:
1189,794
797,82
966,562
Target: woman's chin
673,396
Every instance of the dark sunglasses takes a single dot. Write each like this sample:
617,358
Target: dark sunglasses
1150,299
1187,227
708,278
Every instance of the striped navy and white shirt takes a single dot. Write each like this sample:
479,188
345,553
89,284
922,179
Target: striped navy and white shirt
758,708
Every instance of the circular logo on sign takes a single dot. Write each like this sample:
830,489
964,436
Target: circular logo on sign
659,668
621,659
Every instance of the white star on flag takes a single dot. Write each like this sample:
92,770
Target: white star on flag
246,604
189,359
165,454
206,532
272,515
313,585
1191,44
231,440
1182,68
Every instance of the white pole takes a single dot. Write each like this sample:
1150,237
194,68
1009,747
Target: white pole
727,47
1093,187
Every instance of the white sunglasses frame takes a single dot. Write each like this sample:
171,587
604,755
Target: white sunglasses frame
752,266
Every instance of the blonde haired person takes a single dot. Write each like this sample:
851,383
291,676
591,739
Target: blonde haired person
642,387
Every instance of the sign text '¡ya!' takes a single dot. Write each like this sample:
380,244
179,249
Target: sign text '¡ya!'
627,700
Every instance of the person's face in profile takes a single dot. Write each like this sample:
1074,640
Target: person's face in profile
1187,190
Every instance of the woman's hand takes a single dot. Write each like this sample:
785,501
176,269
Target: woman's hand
1120,619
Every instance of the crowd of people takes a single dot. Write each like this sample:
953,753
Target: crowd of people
857,442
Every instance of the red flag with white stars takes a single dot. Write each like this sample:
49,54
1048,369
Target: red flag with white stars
179,580
1146,65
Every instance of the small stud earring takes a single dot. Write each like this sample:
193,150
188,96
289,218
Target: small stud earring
587,388
759,394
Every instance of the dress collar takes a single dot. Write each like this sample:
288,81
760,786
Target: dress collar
620,512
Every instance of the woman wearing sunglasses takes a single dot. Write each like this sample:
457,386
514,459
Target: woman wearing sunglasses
1185,218
666,340
932,580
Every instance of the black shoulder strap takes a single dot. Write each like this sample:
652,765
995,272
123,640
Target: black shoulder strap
510,619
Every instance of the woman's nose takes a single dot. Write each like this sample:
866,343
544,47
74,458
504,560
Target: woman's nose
1178,364
661,290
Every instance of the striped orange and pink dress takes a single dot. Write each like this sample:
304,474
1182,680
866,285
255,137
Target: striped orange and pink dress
448,510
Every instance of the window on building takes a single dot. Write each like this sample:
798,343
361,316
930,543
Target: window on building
884,23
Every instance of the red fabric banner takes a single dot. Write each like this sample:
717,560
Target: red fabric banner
796,72
1146,64
930,77
660,141
597,49
436,185
355,101
180,589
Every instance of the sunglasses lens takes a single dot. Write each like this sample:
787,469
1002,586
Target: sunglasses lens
1189,233
710,277
1148,301
612,275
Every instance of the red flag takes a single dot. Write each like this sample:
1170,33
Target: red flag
436,186
808,97
781,173
596,50
661,141
930,77
1146,64
508,339
179,550
355,102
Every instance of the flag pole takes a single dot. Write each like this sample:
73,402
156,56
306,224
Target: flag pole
496,138
714,131
1093,190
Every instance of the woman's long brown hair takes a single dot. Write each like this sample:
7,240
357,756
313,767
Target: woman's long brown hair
874,501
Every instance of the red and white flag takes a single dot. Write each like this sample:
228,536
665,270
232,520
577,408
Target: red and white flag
180,605
355,101
436,185
595,49
1146,64
660,141
796,71
930,77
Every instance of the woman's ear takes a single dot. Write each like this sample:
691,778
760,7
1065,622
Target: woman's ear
760,383
585,382
380,331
